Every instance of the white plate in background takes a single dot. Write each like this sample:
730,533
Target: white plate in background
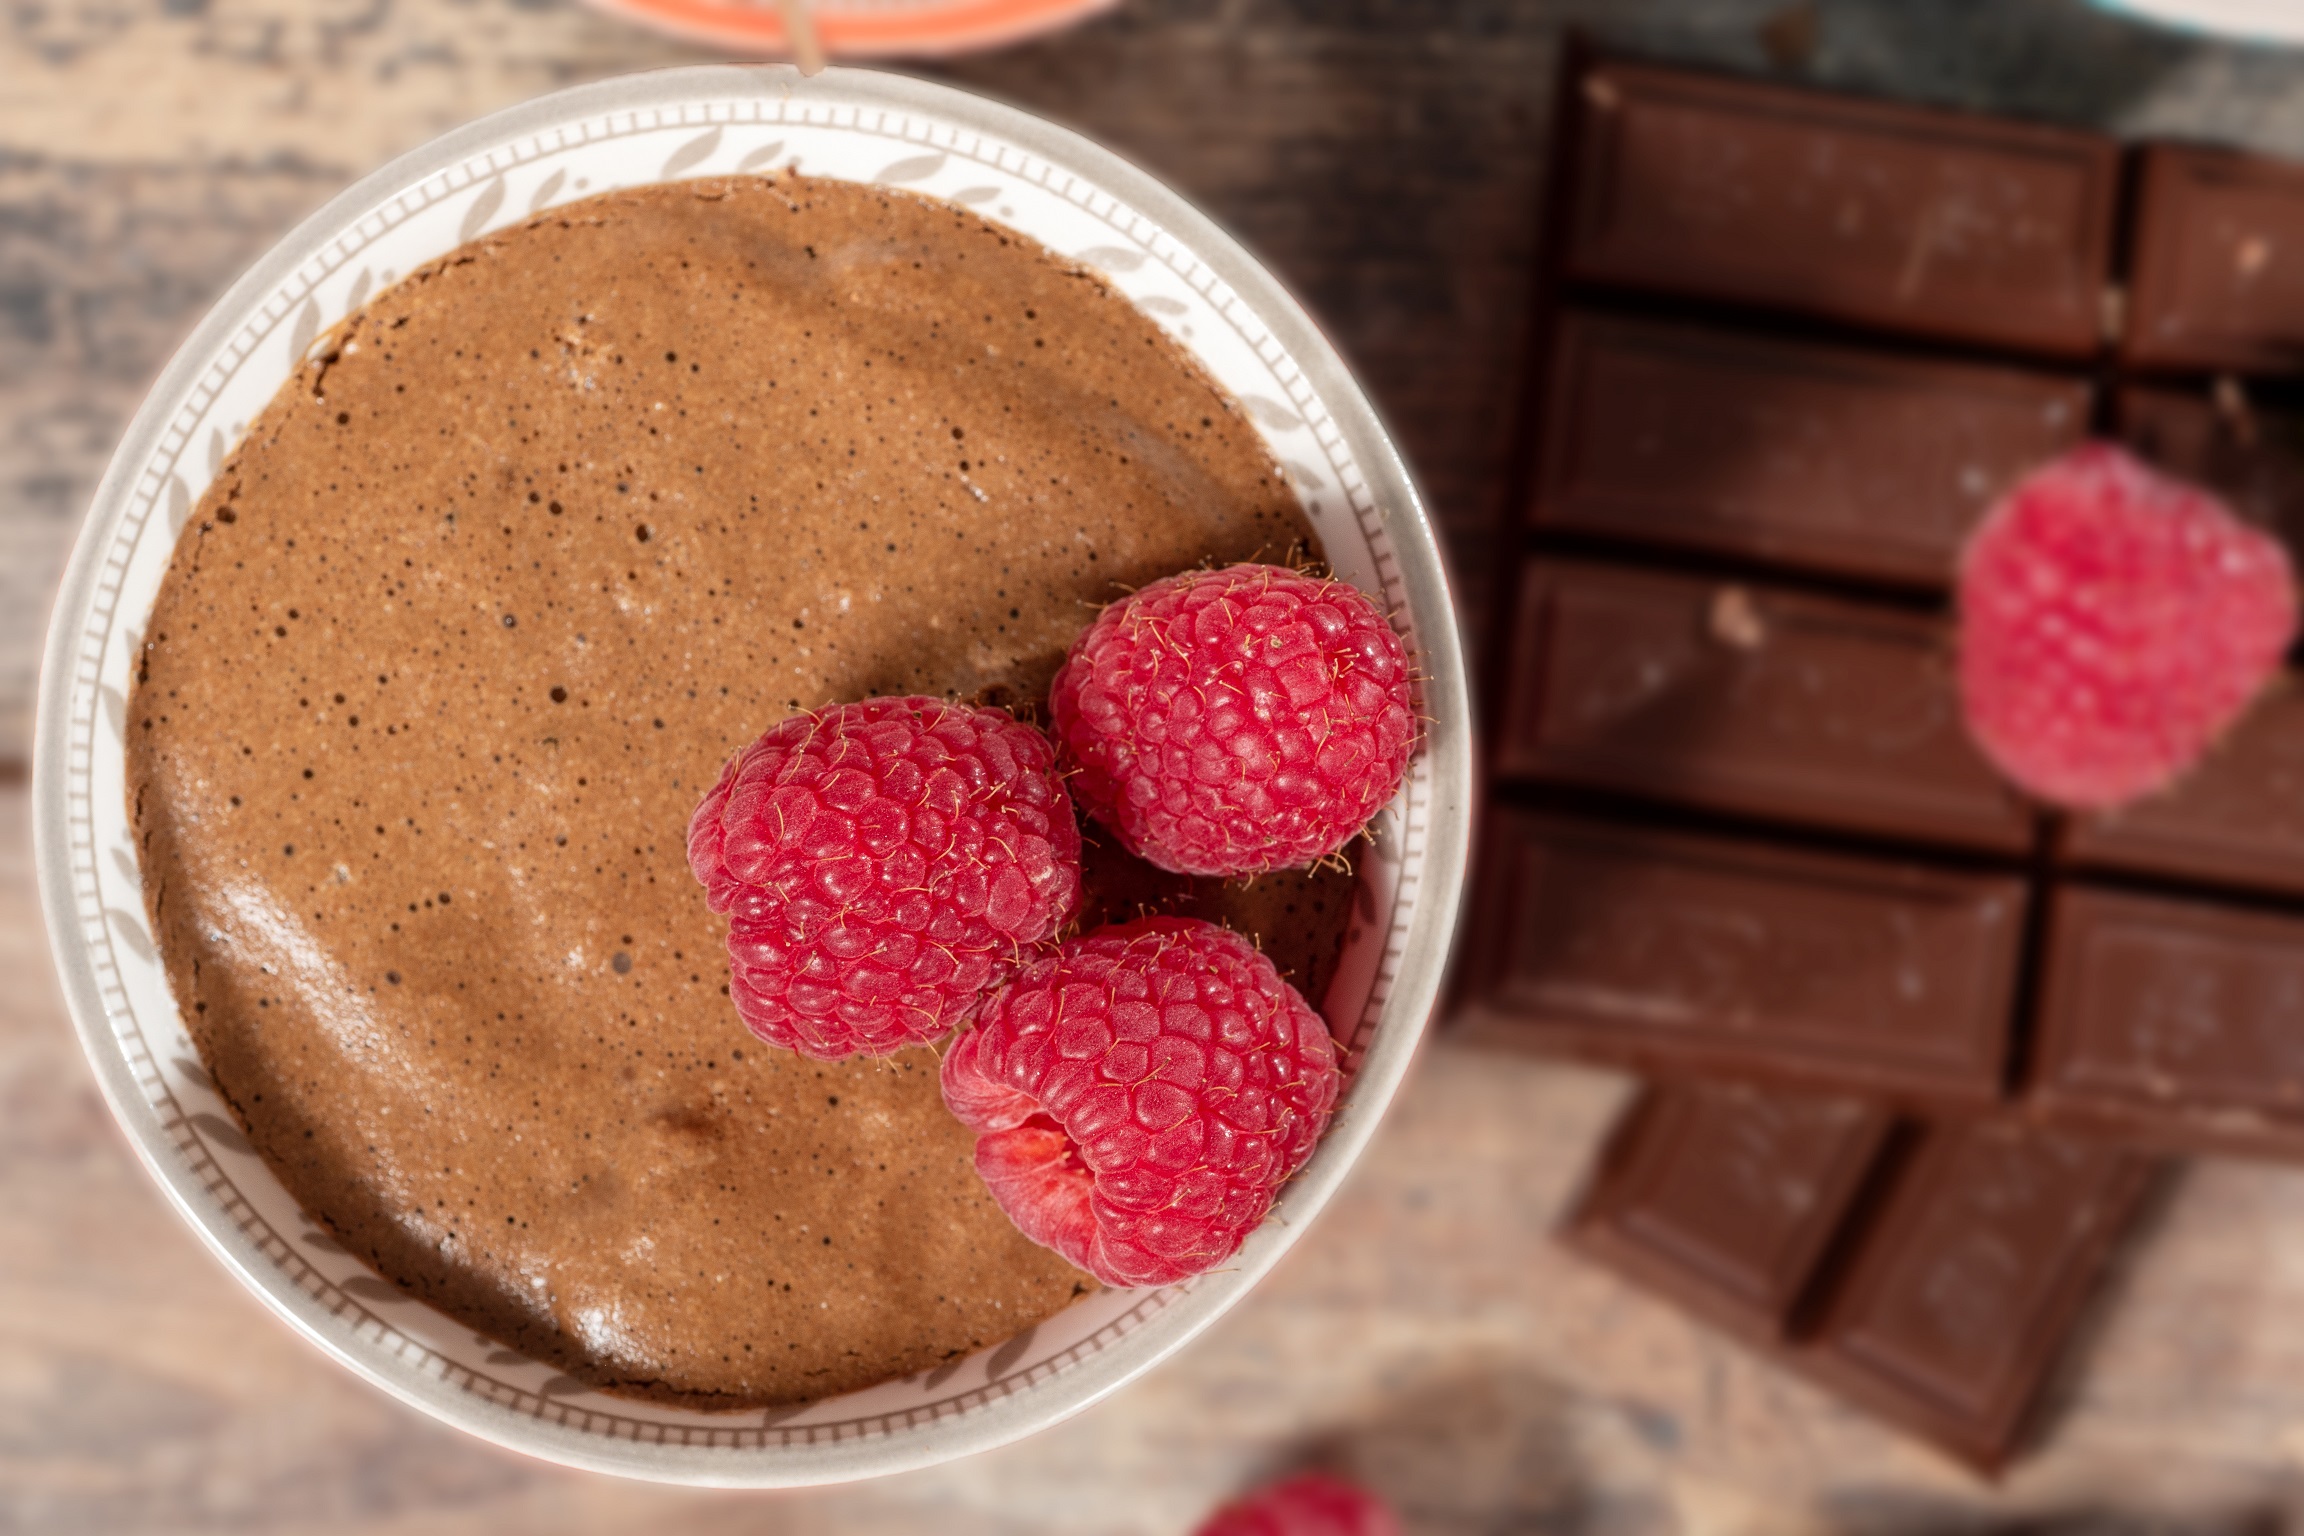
2264,21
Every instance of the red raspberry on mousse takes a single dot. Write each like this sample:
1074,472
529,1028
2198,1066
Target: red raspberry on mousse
2113,623
1141,1094
881,864
1236,721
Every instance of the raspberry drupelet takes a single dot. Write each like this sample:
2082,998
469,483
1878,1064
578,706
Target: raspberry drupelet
1141,1094
1236,721
2113,623
881,864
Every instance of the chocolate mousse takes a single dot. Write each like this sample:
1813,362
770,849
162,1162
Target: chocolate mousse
472,617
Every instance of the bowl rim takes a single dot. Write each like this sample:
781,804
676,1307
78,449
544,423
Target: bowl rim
67,673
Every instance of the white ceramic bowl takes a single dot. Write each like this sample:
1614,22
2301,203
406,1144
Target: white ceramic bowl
1053,185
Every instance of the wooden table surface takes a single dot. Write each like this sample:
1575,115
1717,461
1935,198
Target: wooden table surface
1385,155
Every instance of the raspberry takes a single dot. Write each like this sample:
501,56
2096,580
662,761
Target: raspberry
1236,721
1308,1504
881,864
1140,1094
2113,622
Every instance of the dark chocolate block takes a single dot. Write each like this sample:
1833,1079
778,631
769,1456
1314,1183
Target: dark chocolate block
1751,699
1935,223
2237,819
1691,955
2172,1023
1828,458
2217,278
1966,1281
2250,456
1724,1197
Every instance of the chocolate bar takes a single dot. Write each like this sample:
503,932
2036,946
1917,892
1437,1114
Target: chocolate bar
1965,1284
1690,954
1707,635
1834,459
2172,1023
1724,1197
1709,854
2217,279
1749,698
1933,1277
1932,223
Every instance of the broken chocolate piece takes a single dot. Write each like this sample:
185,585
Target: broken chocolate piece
1965,1284
1724,1197
1931,1273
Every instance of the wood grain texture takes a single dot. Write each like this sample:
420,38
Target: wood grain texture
1384,155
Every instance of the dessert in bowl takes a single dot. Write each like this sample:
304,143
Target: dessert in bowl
461,1097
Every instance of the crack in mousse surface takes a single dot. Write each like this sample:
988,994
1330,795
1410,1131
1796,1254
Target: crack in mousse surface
470,620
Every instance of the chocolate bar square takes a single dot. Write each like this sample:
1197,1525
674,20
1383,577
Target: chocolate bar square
1689,955
1935,223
